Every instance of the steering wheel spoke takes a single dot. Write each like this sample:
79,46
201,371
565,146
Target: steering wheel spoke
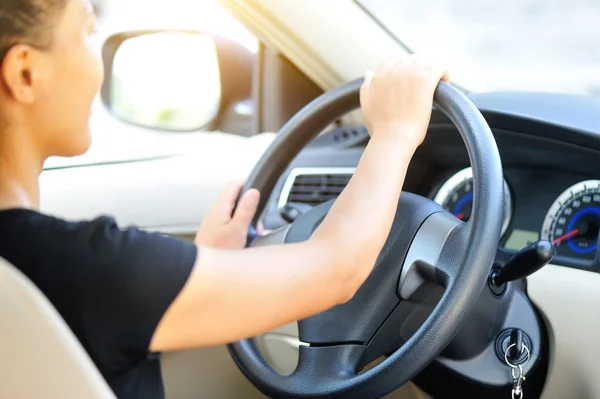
452,255
328,364
427,251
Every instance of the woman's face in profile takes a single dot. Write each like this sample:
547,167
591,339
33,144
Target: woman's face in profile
72,76
50,90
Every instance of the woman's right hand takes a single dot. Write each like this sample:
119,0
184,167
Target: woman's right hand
396,101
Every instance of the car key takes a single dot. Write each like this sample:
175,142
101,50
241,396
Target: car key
516,372
518,378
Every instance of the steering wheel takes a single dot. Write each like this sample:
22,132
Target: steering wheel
427,246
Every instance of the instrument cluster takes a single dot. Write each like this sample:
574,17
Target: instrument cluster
571,222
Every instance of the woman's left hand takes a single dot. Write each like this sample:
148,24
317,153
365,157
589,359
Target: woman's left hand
222,230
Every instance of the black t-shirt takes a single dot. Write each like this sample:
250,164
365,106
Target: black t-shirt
111,285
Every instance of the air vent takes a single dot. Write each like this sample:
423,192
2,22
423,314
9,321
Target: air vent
313,186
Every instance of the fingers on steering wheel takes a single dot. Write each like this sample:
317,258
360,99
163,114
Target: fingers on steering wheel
246,208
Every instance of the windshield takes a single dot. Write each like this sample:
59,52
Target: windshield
536,45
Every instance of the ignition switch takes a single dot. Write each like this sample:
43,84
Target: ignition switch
510,345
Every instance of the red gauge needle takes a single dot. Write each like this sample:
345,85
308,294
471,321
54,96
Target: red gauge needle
564,237
460,215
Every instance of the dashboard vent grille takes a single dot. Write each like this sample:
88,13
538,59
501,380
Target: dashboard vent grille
314,186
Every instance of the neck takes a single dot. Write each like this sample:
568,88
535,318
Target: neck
20,167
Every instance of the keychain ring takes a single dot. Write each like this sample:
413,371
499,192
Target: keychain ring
524,361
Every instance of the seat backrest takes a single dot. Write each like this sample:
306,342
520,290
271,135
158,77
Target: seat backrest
40,357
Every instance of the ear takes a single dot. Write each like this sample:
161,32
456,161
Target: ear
17,73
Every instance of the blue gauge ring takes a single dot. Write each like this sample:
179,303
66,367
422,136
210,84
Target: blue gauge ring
462,202
574,220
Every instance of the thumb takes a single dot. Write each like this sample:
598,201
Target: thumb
246,209
367,81
368,78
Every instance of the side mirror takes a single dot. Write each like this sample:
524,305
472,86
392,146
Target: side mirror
167,80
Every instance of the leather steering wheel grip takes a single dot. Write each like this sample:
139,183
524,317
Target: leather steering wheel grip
332,105
296,134
468,253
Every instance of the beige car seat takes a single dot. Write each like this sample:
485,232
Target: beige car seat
39,355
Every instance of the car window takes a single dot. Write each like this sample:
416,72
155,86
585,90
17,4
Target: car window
537,45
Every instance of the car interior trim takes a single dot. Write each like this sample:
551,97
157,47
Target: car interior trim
289,181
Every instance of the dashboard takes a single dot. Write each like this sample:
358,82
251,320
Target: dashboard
550,149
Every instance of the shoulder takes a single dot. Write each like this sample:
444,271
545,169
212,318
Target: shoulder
97,247
26,223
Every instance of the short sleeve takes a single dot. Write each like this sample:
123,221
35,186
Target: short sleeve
129,280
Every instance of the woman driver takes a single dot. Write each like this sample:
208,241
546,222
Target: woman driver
128,294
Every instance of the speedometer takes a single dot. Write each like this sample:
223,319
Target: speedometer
456,196
573,221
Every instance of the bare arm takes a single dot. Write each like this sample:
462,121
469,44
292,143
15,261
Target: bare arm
360,220
235,294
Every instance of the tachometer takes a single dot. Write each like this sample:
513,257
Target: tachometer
456,196
573,221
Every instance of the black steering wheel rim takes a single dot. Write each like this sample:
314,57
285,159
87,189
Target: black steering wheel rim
481,232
